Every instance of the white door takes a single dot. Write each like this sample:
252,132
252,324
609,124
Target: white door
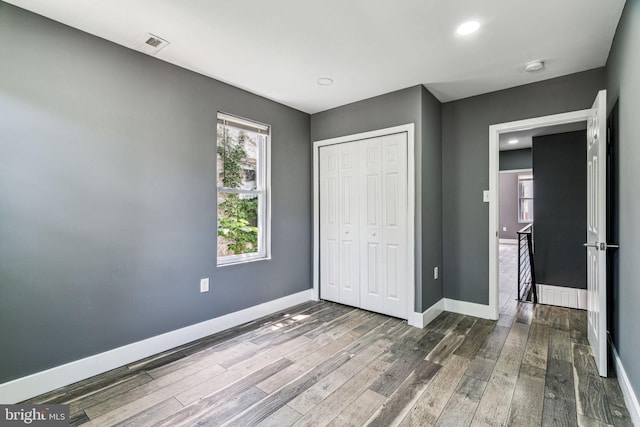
363,224
339,222
329,226
372,268
383,254
394,223
597,231
348,217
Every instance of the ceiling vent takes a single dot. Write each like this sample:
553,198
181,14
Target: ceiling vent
151,44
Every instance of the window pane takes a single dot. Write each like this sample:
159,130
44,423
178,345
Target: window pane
526,189
526,210
238,225
237,158
242,193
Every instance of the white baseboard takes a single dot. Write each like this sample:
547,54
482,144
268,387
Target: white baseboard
41,382
420,320
508,241
630,397
468,308
562,296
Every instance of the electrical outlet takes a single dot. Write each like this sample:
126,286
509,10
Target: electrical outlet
204,285
504,228
435,273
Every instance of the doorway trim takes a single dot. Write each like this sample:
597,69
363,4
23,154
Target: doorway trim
412,239
494,189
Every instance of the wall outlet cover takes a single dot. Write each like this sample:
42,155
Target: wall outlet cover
204,285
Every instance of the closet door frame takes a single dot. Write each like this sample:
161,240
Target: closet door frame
411,214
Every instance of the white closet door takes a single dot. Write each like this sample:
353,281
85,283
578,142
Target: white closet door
348,217
372,269
329,224
394,223
363,224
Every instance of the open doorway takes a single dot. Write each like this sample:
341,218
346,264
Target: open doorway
515,213
505,132
556,155
596,242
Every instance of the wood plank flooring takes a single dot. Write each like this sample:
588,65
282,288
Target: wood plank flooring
324,364
327,364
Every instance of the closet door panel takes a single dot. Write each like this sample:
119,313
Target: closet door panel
393,292
371,266
329,225
394,224
349,220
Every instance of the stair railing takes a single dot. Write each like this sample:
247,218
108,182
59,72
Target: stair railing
527,290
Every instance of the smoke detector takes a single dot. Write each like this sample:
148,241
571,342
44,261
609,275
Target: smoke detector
151,44
534,66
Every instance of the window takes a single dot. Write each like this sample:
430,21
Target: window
242,190
525,198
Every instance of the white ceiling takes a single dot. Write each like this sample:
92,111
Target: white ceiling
279,48
525,137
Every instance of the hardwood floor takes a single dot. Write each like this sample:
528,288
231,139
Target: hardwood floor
324,364
508,277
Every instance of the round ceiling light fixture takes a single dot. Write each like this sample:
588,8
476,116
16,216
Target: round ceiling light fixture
468,28
325,81
534,66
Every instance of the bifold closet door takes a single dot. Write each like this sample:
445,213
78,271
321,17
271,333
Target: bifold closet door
363,229
383,226
339,224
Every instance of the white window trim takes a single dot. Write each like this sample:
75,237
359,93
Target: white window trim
523,177
264,228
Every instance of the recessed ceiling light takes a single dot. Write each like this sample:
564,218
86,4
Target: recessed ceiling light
325,81
513,141
534,66
468,28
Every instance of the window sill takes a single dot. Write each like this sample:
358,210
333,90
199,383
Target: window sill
239,260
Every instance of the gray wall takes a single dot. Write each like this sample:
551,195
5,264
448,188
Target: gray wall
431,195
465,156
509,206
412,105
107,214
515,159
623,86
560,216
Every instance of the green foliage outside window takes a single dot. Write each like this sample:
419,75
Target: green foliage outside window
237,214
